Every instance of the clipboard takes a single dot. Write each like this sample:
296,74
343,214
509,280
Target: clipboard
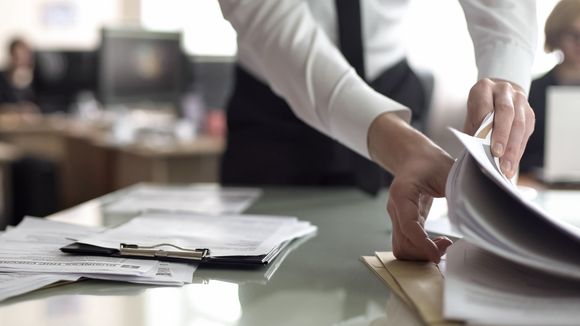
175,254
159,252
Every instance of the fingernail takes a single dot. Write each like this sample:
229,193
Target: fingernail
498,149
507,167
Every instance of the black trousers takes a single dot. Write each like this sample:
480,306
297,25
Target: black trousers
269,145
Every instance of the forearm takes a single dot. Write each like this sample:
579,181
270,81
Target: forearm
394,144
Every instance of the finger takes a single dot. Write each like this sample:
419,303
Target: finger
412,241
411,223
402,249
408,251
442,244
405,249
510,159
479,104
395,229
503,120
530,126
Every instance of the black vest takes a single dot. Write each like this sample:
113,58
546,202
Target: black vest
268,145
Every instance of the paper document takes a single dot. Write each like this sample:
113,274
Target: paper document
57,262
167,273
30,259
13,284
34,247
516,264
224,235
490,212
42,231
483,288
196,199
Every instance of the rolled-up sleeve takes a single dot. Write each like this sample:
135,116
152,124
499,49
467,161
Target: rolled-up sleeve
504,34
280,42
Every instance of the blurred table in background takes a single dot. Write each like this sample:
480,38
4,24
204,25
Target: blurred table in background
186,162
90,163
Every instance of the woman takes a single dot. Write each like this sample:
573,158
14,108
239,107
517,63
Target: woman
562,34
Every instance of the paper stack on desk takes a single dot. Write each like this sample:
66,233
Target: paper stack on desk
234,239
206,199
30,258
516,264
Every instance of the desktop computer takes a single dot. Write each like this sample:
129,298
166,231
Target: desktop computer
138,67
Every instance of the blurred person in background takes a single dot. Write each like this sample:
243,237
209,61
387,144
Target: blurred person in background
563,35
17,98
34,186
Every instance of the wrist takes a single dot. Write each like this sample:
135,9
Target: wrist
394,144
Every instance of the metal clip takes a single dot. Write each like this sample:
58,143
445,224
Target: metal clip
134,250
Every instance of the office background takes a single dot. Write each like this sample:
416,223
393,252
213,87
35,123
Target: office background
74,34
76,24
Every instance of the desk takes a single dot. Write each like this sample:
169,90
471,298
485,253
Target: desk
186,162
322,282
90,166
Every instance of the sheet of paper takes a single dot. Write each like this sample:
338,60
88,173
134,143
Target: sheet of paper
30,259
167,273
489,212
485,289
224,235
53,261
481,153
33,246
561,204
196,199
13,284
43,231
437,222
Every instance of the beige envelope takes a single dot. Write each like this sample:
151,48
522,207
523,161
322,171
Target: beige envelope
419,284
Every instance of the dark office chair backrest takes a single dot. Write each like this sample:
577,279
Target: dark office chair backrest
60,75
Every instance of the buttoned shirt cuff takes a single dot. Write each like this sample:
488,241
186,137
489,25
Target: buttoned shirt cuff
355,107
506,61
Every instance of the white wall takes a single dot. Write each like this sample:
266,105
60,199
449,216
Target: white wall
205,31
72,24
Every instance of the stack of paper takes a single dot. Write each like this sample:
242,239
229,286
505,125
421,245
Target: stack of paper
30,259
205,199
239,239
516,264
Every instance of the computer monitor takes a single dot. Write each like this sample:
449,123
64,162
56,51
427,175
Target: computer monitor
561,155
137,66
